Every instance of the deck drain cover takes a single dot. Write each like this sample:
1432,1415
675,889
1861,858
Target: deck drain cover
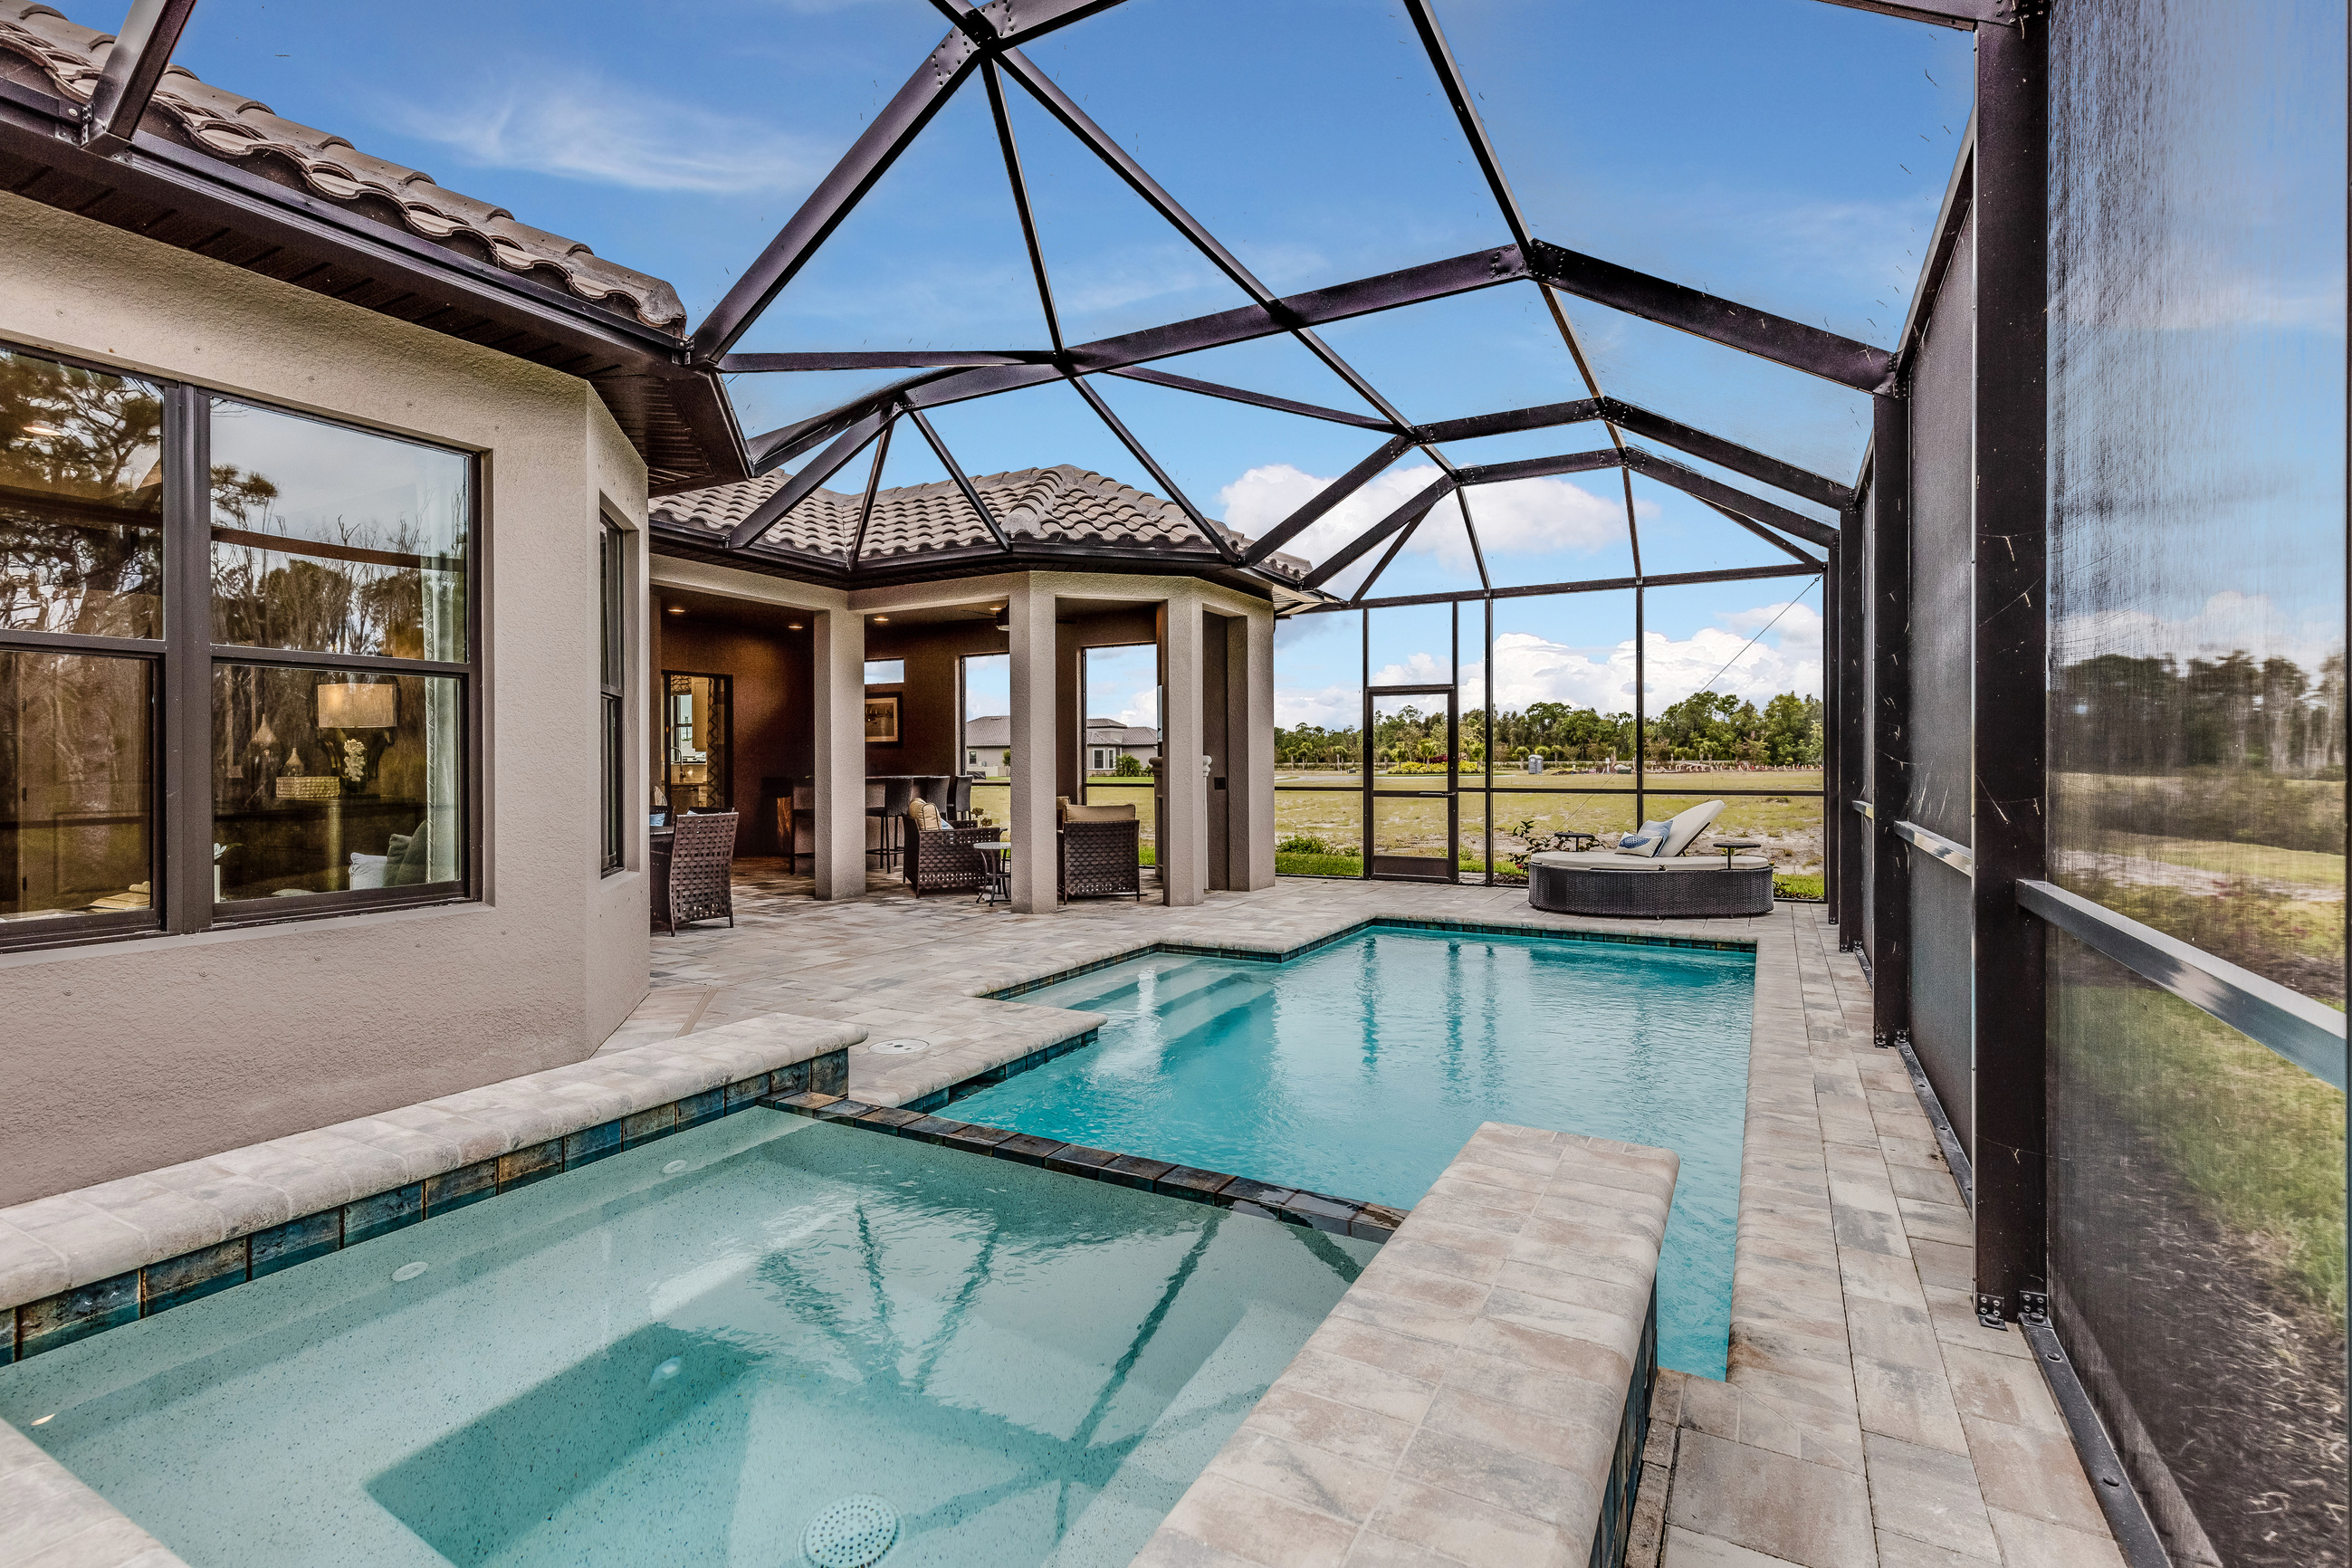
900,1047
852,1534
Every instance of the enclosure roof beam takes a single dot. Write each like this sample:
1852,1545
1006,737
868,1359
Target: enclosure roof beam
1742,327
1666,470
1641,421
1244,323
126,84
1740,460
1324,499
882,359
1776,541
873,488
798,488
1063,108
1536,467
955,472
890,131
1409,512
1403,536
1597,586
1020,182
1159,476
1257,399
1965,15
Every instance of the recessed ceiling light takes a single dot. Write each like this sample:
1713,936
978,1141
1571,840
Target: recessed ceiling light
881,620
791,626
677,609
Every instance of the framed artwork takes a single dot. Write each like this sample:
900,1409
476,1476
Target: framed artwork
882,719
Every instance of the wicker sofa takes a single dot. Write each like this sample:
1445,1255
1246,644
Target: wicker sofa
1603,882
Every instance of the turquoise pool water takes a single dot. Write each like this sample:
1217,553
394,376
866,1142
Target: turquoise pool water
1362,1068
631,1364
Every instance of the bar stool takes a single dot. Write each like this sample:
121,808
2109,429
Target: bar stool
877,807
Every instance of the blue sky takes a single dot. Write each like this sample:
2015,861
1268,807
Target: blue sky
1784,152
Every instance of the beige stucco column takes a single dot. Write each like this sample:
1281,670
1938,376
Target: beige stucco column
1183,837
1034,851
1249,742
838,684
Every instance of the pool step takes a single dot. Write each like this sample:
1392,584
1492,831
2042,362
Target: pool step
1124,992
1206,1006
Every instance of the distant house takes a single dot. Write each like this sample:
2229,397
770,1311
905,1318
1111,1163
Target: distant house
986,740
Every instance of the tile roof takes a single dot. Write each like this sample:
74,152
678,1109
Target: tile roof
1061,505
231,126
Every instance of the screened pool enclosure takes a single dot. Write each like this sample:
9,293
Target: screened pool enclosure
1918,422
2068,500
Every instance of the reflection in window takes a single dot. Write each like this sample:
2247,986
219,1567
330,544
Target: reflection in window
75,792
328,781
81,486
336,541
695,774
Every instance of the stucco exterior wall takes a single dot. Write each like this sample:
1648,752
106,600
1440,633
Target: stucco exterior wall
123,1057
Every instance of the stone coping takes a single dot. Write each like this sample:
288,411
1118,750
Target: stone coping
100,1235
1467,1400
50,1518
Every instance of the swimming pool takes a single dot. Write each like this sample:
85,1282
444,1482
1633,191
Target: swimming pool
1360,1070
688,1353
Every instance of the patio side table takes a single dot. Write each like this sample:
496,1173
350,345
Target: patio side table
995,873
1732,847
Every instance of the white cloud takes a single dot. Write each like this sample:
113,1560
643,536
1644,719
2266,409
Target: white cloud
580,125
1518,517
1141,708
1331,707
1533,668
2226,622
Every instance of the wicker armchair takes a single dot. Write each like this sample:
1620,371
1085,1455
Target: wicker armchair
942,860
700,883
1100,860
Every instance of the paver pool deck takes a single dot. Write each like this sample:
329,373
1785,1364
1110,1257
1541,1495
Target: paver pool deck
1868,1420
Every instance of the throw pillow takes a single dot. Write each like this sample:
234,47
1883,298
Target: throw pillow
1644,841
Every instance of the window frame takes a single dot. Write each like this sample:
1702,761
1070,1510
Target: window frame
611,693
183,659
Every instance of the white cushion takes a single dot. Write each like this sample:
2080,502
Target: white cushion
1687,825
1610,861
1644,841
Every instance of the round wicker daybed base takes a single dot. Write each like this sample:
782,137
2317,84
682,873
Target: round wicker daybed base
1692,888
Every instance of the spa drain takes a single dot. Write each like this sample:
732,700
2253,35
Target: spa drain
854,1532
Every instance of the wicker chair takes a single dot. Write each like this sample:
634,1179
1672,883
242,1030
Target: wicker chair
942,860
1100,860
700,883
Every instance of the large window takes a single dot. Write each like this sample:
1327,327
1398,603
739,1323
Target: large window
236,660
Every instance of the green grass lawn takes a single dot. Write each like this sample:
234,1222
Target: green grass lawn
1410,826
2264,862
2257,1138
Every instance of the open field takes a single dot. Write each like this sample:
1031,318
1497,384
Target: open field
1331,810
1790,826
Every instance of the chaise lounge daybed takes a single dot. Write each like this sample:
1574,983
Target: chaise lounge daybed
1647,875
